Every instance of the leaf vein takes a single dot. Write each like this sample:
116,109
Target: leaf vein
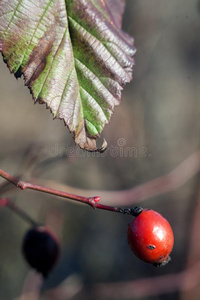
14,14
51,63
41,18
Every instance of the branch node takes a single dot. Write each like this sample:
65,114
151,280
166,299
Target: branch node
96,198
93,202
21,185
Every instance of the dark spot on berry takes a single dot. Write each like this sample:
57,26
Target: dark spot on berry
151,247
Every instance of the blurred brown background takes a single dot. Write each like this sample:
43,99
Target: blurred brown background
160,113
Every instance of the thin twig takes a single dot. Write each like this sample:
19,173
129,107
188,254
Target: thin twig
91,201
164,184
5,202
158,186
32,286
193,246
146,287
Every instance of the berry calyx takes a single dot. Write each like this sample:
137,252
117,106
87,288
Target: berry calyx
41,249
150,237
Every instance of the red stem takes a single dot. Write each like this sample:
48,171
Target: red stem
92,201
5,202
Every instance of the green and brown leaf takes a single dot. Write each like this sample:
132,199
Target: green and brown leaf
73,55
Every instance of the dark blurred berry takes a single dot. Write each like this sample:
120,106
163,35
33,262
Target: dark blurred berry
41,249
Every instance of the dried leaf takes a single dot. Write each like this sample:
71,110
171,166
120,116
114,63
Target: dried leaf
73,55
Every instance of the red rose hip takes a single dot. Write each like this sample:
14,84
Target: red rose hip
150,237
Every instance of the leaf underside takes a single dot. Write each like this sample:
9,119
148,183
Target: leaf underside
73,55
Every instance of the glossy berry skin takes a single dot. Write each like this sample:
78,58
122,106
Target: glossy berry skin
41,249
150,237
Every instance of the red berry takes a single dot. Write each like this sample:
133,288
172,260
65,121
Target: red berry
41,249
150,237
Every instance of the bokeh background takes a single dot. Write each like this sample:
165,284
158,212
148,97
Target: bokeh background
159,113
